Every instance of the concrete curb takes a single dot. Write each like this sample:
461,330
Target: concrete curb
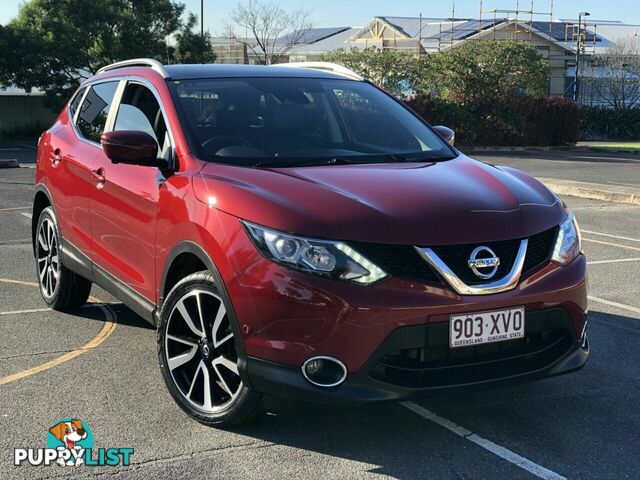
12,163
593,191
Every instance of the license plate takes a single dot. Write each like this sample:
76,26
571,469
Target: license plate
486,327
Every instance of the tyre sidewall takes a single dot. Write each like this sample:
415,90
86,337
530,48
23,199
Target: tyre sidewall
47,213
238,410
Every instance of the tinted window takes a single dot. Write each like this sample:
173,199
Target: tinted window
139,110
76,100
231,120
94,110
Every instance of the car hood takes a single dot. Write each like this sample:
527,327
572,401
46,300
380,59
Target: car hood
456,201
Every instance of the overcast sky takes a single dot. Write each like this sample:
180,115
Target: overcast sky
337,13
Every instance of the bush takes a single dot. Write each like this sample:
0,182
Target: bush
513,120
601,123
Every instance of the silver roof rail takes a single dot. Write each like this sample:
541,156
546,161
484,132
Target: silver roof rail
326,66
137,62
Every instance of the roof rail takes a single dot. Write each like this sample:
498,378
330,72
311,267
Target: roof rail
326,66
137,62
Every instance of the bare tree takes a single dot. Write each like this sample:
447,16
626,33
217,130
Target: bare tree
615,75
267,30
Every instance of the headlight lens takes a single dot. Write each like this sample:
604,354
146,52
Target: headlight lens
321,257
568,244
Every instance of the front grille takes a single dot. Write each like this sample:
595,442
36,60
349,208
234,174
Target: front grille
404,261
539,249
401,261
457,256
548,337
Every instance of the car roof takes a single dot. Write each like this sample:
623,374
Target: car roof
186,72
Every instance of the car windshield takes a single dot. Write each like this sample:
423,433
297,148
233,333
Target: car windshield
301,121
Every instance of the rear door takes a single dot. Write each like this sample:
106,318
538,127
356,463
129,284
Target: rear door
124,204
73,149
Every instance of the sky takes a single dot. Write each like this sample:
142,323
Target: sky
337,13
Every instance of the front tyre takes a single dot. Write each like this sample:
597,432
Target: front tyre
61,288
198,355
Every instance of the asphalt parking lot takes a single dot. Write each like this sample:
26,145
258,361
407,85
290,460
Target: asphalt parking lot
99,364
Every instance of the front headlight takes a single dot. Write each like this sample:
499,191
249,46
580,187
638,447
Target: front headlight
568,244
321,257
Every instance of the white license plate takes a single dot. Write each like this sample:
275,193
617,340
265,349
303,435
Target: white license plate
486,327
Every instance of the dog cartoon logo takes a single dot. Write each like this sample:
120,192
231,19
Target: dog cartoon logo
71,437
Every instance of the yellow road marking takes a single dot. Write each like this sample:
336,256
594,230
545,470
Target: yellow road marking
106,330
612,244
9,209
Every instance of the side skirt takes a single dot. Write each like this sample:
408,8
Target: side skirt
78,262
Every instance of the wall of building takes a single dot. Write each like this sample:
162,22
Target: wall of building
23,112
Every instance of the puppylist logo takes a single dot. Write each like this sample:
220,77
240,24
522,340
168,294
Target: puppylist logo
70,442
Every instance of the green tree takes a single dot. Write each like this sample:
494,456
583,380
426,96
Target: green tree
191,47
396,72
486,69
57,43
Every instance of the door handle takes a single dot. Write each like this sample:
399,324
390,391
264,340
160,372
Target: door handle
56,157
98,175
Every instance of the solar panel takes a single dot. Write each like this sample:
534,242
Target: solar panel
313,35
563,31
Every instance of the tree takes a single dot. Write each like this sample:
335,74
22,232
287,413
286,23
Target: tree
486,69
616,75
191,47
261,27
57,44
396,72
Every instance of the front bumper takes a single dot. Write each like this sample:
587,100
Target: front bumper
381,379
288,317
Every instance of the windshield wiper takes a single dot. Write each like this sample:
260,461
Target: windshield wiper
308,162
353,160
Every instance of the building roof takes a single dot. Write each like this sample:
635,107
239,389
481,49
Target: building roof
327,44
313,35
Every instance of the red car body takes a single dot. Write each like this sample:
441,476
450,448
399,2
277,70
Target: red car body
125,226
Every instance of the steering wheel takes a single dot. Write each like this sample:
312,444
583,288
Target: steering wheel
214,144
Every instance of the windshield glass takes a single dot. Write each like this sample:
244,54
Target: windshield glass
297,120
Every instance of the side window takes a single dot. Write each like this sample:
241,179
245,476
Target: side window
139,110
94,110
76,101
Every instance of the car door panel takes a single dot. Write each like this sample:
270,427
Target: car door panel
124,205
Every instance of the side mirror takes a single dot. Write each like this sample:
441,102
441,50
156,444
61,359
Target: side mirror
132,147
446,133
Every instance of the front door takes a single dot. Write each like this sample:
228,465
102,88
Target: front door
125,198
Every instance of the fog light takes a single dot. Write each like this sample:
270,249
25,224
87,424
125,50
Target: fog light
324,371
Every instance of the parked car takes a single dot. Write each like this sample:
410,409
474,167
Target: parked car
296,231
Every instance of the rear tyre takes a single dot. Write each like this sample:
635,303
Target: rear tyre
197,351
60,288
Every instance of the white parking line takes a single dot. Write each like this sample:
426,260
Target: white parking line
609,235
26,214
597,262
508,455
615,304
18,312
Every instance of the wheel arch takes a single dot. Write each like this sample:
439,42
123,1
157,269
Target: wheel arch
41,200
188,247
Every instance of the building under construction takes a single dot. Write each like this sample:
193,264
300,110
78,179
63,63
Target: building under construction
562,42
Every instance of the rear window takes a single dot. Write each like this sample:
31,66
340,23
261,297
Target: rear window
231,120
94,110
73,106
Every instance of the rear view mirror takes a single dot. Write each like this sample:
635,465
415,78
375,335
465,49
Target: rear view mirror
446,134
132,147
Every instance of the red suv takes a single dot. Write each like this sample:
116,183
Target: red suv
299,232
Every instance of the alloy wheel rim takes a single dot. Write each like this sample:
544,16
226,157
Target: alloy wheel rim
48,259
200,351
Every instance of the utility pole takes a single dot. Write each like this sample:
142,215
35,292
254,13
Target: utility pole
576,87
